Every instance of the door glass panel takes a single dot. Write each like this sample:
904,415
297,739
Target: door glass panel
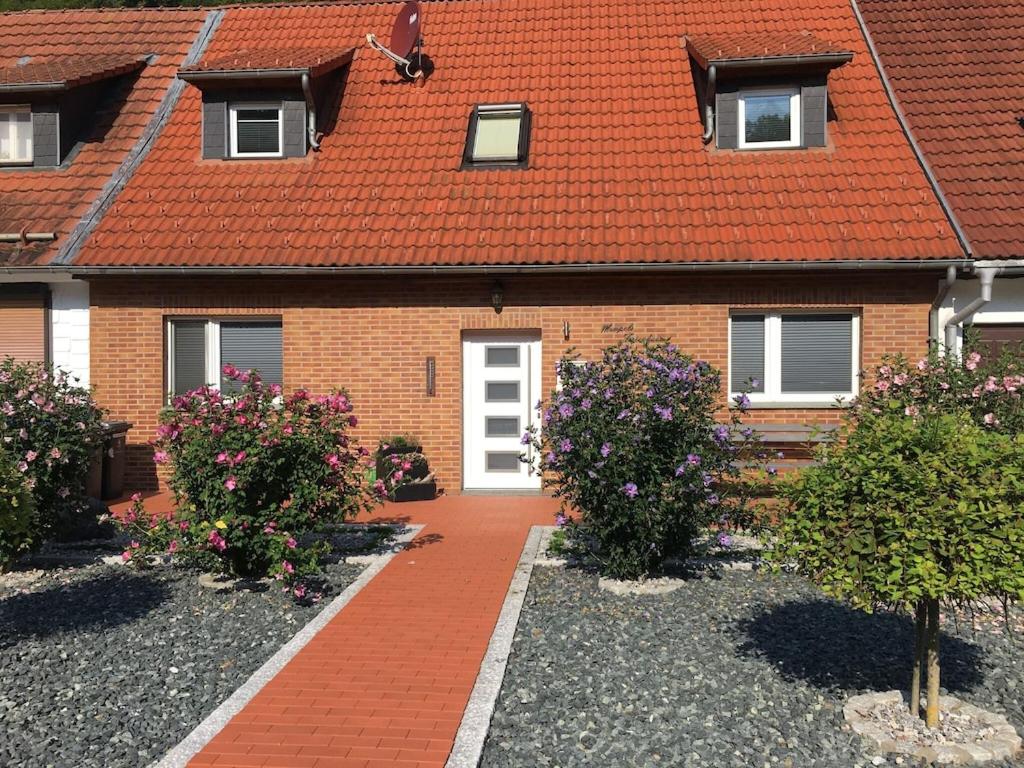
502,392
502,461
502,357
502,426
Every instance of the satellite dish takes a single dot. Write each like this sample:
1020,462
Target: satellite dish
405,36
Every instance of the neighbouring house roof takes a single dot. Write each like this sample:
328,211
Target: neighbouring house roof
72,47
617,169
312,61
958,72
64,72
747,46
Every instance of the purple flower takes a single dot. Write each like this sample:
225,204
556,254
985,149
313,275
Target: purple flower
664,412
693,459
606,449
773,471
609,393
585,403
525,439
565,446
724,539
713,499
623,414
680,470
565,410
550,458
630,490
721,434
742,402
561,519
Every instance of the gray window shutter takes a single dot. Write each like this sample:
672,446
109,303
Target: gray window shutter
189,355
813,106
817,353
215,127
45,135
747,353
727,119
294,129
250,346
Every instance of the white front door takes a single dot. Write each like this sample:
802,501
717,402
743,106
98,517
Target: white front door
501,385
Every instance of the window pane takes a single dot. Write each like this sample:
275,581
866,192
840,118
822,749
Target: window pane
189,355
502,357
16,136
250,346
497,136
503,462
817,354
502,426
257,131
767,117
747,353
502,392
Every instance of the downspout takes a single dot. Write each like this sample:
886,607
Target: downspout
986,276
709,101
307,91
945,286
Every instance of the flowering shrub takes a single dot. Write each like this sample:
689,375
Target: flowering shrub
631,444
988,389
17,510
906,511
52,428
254,476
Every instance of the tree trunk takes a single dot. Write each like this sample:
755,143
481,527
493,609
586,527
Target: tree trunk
920,628
932,713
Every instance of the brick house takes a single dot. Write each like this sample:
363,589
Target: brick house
564,173
963,100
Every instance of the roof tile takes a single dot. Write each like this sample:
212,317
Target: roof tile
617,172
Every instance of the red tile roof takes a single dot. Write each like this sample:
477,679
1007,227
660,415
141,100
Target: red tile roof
45,200
617,169
958,71
316,61
68,71
717,46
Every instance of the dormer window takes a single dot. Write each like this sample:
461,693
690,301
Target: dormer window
257,130
15,135
768,118
498,136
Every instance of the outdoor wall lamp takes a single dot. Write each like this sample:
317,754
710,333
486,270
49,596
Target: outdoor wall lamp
497,296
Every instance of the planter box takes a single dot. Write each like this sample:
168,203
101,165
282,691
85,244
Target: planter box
421,491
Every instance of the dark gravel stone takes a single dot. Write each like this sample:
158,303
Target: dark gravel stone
105,666
736,669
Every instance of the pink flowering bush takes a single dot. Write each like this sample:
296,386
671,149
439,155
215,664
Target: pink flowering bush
255,477
51,428
631,444
17,510
989,389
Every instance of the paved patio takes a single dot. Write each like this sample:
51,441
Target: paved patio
387,681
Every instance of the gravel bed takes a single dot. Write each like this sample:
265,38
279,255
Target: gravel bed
107,666
733,669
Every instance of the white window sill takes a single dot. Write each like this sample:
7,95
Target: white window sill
824,405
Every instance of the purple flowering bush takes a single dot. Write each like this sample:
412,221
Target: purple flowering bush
51,428
17,510
630,443
255,477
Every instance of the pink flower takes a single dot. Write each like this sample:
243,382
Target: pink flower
922,364
126,555
397,476
972,361
990,384
881,385
379,489
55,453
31,455
911,410
222,457
333,461
239,457
291,543
270,527
991,420
217,541
173,546
22,466
160,457
299,591
899,379
231,483
287,567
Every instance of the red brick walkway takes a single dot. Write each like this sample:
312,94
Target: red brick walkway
386,682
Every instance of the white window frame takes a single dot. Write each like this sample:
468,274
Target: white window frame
773,396
233,110
795,118
213,368
486,111
13,109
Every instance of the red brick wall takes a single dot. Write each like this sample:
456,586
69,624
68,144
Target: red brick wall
371,335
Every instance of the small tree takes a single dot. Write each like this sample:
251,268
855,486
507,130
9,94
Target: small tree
630,442
18,524
907,512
